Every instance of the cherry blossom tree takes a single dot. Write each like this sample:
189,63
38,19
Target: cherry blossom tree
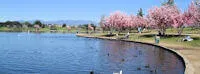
189,18
195,10
107,24
116,21
163,17
185,19
120,21
180,21
140,21
136,22
130,22
37,27
68,28
90,27
160,18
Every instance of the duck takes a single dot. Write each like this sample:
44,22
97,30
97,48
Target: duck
120,72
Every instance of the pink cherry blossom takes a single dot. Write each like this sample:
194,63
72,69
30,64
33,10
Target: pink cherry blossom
117,20
163,17
159,18
90,27
68,28
193,14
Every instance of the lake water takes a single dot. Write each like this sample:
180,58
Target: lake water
57,53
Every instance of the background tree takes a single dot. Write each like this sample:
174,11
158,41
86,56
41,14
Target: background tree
64,25
8,24
168,2
102,23
140,13
28,24
38,22
94,27
2,24
53,27
13,24
84,26
140,21
197,2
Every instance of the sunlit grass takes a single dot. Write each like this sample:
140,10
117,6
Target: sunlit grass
171,40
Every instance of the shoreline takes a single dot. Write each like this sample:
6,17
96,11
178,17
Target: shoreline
189,69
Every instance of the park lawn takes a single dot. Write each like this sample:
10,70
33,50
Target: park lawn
44,29
4,29
173,42
169,41
185,30
60,29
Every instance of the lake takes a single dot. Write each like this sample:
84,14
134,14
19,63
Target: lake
58,53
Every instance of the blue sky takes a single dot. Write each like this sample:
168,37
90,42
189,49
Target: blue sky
73,9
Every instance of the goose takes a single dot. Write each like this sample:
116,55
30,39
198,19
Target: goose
119,72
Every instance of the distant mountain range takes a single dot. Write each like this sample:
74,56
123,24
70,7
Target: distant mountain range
68,22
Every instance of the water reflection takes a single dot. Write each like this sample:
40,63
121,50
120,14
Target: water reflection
59,53
138,58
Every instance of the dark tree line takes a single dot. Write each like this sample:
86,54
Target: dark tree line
18,24
10,24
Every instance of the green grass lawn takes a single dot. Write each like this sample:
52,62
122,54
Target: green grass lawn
171,40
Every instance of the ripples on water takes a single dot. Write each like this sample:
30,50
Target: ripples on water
46,53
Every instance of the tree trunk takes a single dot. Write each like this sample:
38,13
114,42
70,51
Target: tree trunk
87,31
180,31
161,32
119,32
111,31
94,29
